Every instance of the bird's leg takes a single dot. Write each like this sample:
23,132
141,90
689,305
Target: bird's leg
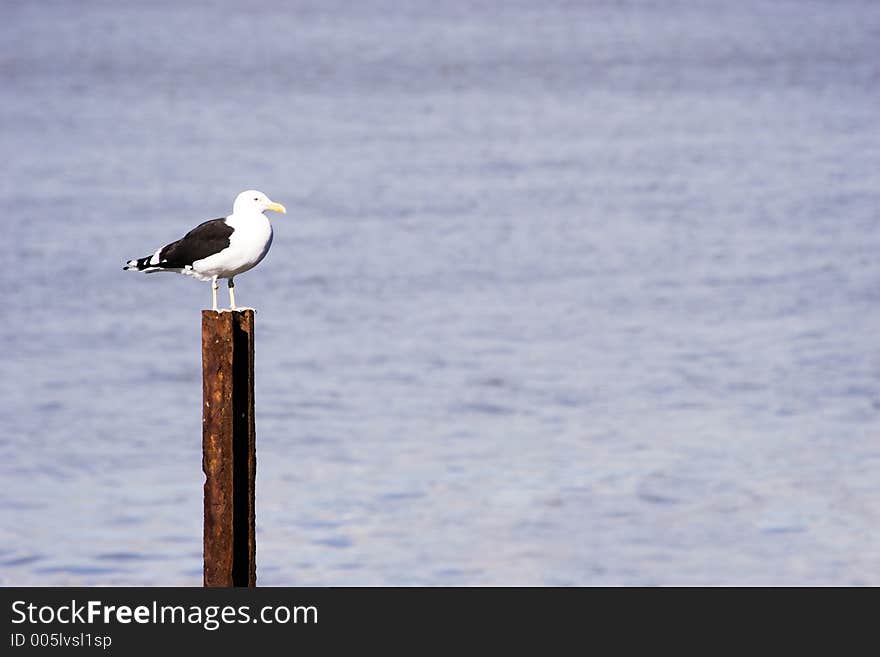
231,294
214,287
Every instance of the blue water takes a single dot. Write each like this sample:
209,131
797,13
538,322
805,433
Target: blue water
567,292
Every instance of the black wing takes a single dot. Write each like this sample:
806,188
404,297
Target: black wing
204,240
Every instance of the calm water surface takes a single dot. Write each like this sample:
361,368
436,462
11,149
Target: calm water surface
567,292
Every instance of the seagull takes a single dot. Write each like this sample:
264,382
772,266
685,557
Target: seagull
219,248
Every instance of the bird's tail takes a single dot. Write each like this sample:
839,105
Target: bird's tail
140,264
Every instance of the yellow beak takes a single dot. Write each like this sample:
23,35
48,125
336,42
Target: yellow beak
277,207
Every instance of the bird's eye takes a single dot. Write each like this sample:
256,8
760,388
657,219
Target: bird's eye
256,198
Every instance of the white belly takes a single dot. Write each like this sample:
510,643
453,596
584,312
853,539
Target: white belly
248,245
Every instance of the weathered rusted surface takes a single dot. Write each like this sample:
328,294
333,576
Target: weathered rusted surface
228,448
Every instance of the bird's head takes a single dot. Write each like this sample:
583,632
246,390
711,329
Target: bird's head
253,201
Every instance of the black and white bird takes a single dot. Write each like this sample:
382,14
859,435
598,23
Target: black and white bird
219,248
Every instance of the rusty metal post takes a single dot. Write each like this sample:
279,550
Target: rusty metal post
228,447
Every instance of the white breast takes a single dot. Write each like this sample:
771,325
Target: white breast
248,245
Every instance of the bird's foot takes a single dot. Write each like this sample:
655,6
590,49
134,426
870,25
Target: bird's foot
237,309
